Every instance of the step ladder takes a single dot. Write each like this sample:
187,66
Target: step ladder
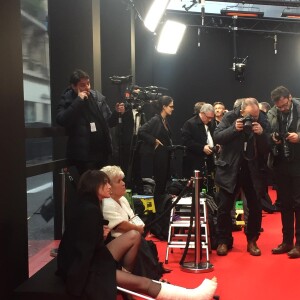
180,223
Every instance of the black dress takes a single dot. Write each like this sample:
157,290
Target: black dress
85,264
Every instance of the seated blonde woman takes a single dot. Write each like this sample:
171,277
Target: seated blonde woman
118,212
117,209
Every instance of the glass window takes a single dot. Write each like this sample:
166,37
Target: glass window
35,49
40,212
37,113
38,150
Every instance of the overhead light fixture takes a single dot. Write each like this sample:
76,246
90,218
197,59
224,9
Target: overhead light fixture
242,11
155,13
292,13
239,67
170,37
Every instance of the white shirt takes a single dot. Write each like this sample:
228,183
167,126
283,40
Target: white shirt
116,213
210,141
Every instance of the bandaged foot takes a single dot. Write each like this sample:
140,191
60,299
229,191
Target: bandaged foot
204,291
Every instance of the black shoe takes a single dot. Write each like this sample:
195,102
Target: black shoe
295,252
253,249
54,252
222,250
282,248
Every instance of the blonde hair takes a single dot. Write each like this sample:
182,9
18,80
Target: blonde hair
113,172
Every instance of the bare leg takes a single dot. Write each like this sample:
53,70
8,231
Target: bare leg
138,284
125,247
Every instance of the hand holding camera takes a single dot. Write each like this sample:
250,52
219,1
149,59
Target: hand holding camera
292,137
276,137
207,150
279,138
248,125
256,128
239,125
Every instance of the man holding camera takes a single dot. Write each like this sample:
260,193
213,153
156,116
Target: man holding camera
197,137
284,118
243,135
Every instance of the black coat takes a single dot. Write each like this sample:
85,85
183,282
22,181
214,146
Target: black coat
155,161
194,137
231,156
71,115
149,132
84,262
294,162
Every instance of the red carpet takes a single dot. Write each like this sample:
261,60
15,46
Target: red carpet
240,275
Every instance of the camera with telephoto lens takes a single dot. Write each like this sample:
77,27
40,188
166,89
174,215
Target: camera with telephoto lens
280,136
247,122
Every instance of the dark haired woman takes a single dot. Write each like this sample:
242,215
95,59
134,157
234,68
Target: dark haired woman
89,268
154,151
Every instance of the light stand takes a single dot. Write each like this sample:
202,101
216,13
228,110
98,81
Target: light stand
239,64
138,118
120,81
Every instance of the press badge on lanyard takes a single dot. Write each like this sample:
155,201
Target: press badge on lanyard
93,127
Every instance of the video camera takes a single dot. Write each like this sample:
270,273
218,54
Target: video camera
136,96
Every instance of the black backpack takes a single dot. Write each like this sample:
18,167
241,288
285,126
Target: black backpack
147,263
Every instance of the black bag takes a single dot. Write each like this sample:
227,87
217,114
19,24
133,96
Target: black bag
47,209
147,263
161,228
212,221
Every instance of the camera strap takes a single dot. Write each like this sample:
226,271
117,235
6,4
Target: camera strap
247,149
286,120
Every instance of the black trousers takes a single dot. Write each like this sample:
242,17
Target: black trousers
226,202
288,192
83,166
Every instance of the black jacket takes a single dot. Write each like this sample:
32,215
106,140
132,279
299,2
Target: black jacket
151,131
194,137
155,162
71,115
294,126
82,252
232,154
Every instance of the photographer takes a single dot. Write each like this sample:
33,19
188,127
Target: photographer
197,137
284,118
87,118
243,135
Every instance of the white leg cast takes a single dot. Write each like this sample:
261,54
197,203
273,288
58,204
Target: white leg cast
204,291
